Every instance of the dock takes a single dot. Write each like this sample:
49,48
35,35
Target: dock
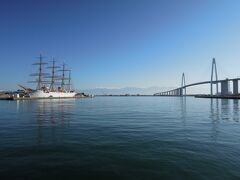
218,96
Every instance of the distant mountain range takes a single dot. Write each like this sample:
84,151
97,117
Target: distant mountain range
125,90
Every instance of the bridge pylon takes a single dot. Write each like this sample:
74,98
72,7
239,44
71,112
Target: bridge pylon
183,83
214,69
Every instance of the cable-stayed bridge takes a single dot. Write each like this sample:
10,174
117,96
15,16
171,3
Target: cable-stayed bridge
224,90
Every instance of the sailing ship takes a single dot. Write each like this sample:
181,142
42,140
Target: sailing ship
58,87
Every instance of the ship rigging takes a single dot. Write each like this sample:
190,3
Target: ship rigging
54,90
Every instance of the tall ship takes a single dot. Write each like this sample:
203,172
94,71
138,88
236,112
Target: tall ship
56,84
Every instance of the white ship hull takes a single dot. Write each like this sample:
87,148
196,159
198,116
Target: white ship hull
43,94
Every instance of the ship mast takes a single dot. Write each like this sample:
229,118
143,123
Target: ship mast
40,73
69,81
63,77
53,76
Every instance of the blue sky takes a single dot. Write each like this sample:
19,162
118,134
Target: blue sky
121,43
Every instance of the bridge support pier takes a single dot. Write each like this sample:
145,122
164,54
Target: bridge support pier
224,87
235,87
177,92
183,92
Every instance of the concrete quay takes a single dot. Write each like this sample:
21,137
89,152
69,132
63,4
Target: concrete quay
219,96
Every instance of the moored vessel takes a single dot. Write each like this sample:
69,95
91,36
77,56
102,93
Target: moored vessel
58,87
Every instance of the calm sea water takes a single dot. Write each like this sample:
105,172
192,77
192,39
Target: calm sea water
120,138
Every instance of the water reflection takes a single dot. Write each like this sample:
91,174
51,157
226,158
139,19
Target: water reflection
214,110
214,116
183,109
53,112
52,116
224,109
236,110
